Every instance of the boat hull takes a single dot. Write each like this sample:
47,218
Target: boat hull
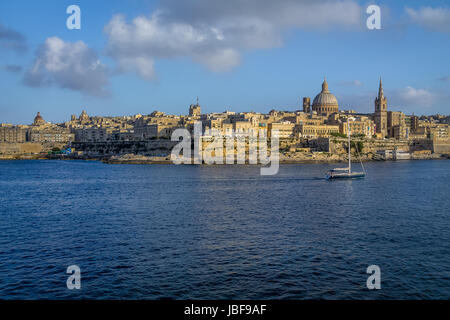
340,176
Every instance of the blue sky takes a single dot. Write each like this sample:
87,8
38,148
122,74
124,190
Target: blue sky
252,56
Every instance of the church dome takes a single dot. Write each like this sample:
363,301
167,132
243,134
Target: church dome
38,119
325,103
325,97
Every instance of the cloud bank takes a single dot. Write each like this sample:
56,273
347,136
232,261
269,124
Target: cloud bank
216,33
412,97
68,65
436,19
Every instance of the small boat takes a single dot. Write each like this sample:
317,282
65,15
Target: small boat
345,173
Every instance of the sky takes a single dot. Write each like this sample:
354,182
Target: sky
137,56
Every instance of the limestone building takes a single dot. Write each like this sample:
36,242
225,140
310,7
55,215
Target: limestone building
13,134
396,125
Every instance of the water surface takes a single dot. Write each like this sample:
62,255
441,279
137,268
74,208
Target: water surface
223,232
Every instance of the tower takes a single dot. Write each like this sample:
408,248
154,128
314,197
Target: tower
306,104
380,115
195,110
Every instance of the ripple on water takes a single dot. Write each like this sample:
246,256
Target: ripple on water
223,232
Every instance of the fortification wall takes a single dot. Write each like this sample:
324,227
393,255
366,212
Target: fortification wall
20,148
441,146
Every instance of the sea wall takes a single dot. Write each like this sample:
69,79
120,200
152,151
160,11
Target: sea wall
441,146
339,145
20,148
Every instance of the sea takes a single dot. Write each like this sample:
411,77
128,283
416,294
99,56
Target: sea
223,232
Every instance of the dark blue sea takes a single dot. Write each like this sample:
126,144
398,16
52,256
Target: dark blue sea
223,232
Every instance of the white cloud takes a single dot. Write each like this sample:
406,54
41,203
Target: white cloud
411,97
408,99
353,83
437,19
69,65
220,60
141,65
215,33
136,45
317,14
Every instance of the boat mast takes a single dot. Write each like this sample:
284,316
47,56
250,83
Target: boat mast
349,147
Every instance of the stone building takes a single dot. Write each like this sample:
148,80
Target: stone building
305,130
13,134
51,134
93,134
285,129
307,105
359,125
414,123
396,125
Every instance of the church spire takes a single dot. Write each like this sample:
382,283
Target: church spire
380,90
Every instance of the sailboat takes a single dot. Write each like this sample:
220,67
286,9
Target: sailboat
345,173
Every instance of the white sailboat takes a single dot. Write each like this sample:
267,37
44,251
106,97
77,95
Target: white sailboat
345,173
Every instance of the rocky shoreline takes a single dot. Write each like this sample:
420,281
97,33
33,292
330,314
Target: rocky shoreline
297,158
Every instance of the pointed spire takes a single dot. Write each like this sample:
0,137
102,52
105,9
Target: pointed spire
380,90
325,85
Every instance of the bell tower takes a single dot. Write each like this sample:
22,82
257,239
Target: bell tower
306,105
380,115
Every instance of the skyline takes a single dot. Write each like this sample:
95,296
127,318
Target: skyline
256,64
